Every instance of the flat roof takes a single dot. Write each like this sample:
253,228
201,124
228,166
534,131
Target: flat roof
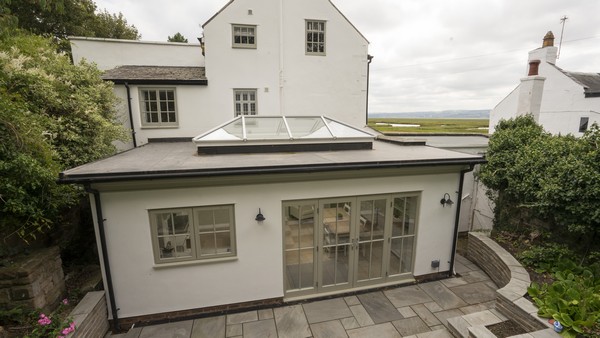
180,159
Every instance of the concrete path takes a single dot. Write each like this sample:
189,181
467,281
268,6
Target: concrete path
416,311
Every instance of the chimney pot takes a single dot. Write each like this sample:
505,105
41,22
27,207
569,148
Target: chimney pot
548,40
533,67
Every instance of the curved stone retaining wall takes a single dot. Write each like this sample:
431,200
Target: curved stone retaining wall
510,276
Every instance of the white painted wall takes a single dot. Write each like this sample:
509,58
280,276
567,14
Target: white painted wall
141,289
112,53
288,81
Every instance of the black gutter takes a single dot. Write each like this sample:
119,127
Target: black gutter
457,220
109,286
219,172
158,81
369,59
130,114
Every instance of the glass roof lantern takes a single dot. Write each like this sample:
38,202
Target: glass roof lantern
262,134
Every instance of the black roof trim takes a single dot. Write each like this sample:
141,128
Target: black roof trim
159,82
310,168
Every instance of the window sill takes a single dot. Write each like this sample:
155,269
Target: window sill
194,262
159,127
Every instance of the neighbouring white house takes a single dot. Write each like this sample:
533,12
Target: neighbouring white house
280,195
269,57
563,102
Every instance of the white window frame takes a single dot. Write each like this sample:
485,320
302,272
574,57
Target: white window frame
242,102
174,253
162,107
243,31
320,32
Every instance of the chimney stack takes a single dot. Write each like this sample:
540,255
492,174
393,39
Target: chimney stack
548,40
533,67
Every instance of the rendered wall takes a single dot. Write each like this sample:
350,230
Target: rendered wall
111,53
141,288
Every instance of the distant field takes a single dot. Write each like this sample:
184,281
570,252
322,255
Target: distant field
417,125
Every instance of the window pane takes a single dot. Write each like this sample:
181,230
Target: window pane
204,219
172,117
222,220
163,105
154,117
163,95
153,106
152,95
163,117
207,244
223,242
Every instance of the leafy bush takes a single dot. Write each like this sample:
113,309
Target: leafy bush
573,300
543,258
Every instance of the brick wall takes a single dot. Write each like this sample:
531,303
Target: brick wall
90,316
35,281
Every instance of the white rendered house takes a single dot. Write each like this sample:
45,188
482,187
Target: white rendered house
267,210
269,57
563,102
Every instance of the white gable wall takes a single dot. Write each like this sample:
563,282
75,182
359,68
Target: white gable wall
258,271
334,84
228,68
112,53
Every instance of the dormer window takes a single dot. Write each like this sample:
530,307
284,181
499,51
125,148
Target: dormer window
243,36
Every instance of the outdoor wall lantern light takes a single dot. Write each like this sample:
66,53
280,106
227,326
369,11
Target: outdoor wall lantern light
260,217
446,200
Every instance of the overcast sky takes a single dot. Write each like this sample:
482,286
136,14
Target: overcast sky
429,54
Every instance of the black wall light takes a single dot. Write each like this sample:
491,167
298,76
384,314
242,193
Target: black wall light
260,217
446,201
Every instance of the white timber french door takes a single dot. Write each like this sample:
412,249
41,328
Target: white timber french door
349,242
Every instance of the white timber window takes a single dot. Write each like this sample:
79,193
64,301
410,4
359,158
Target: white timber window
187,234
243,36
244,101
158,107
315,37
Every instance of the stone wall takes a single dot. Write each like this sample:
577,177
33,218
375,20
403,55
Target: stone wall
510,276
90,316
35,281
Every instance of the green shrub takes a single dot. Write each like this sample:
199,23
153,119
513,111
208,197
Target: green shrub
573,300
545,257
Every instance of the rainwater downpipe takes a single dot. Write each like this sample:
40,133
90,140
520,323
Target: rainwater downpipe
457,219
130,115
109,286
369,59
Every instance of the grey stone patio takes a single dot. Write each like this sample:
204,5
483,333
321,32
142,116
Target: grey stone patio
416,311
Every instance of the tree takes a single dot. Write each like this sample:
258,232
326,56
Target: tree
63,18
555,179
177,38
53,115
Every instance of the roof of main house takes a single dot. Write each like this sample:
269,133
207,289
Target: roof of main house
169,160
156,75
589,81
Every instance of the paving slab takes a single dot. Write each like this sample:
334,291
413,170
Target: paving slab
210,327
454,281
361,315
475,293
239,318
233,330
350,323
478,307
265,314
406,312
433,307
170,330
436,334
406,296
385,330
482,318
442,295
425,315
260,329
443,316
352,300
410,326
291,322
326,310
475,276
547,333
330,329
379,307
